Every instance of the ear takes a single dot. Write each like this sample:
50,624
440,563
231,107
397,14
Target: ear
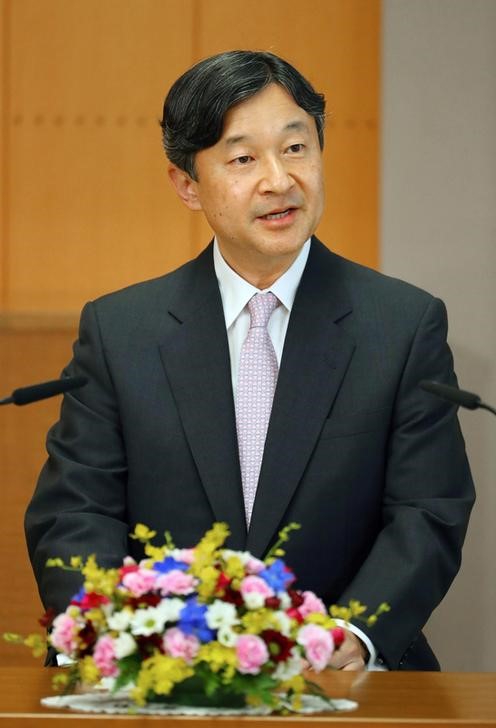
185,186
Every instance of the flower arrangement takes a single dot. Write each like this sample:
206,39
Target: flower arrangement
199,626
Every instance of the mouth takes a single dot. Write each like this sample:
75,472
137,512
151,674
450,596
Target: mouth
278,214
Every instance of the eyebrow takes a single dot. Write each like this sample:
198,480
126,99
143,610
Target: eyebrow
240,138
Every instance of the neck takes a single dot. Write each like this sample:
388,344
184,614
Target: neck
265,273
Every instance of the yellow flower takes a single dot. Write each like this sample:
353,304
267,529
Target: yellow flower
102,581
296,684
142,533
96,616
340,612
60,680
234,568
88,671
209,577
76,562
55,562
156,553
36,643
257,620
321,619
213,539
159,673
218,657
357,608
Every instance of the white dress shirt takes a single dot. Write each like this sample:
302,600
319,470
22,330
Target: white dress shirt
236,292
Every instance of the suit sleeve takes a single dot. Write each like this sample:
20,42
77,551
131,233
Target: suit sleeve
428,495
78,506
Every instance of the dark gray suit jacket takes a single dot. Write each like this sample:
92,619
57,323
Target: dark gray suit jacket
372,468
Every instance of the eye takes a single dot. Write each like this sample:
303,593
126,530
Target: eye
242,160
296,148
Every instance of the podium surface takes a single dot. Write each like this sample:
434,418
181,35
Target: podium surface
403,699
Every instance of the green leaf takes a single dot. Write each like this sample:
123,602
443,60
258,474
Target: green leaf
129,668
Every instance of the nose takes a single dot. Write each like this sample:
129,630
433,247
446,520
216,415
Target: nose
275,177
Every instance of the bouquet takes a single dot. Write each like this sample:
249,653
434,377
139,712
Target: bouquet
199,626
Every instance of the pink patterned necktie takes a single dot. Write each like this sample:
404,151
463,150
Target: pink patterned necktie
257,379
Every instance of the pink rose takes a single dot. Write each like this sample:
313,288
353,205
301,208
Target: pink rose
254,565
64,633
252,653
104,656
175,582
187,556
256,585
318,644
139,582
311,603
178,644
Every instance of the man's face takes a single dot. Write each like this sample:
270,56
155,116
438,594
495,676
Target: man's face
261,186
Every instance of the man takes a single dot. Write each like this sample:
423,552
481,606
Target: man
372,468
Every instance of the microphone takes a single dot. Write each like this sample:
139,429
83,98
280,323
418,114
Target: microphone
456,396
25,395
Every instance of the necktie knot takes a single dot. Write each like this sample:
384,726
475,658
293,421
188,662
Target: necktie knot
261,306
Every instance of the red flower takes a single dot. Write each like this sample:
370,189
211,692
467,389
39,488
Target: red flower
149,600
296,598
278,645
88,638
91,601
272,602
295,614
338,636
47,619
222,582
128,569
233,597
148,644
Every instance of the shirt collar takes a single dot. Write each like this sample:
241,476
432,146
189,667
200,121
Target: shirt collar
236,292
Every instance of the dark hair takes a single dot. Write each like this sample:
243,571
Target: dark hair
196,104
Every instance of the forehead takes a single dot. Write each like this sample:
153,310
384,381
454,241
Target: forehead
272,110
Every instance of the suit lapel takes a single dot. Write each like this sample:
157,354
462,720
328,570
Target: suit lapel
195,356
315,358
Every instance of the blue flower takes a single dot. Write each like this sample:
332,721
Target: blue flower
78,598
277,575
170,564
192,620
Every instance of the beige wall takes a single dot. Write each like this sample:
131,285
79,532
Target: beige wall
438,215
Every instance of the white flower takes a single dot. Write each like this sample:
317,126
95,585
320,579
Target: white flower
283,623
120,621
221,614
227,637
147,621
254,600
124,645
285,600
243,556
290,667
170,609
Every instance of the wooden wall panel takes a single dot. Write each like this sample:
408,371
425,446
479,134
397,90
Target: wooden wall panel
90,207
